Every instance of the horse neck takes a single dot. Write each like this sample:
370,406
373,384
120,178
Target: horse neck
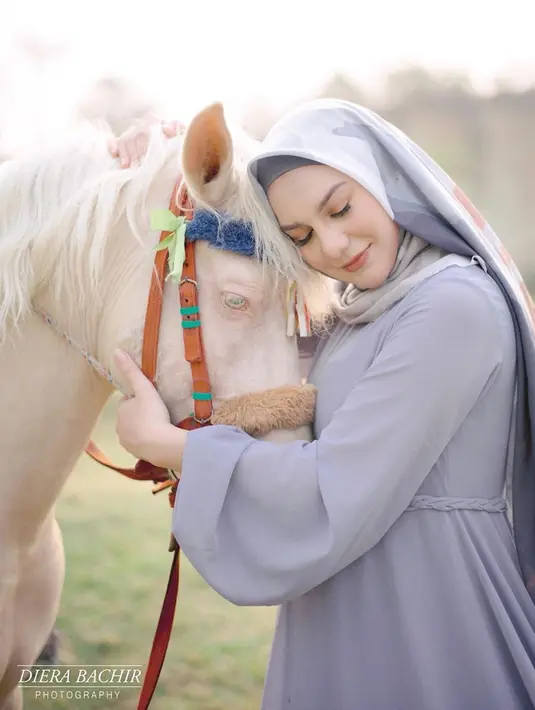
51,399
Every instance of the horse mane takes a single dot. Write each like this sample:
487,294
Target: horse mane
58,206
279,255
60,202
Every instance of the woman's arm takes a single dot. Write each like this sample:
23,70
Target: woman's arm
264,523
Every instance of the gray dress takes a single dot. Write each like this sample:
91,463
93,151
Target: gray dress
385,541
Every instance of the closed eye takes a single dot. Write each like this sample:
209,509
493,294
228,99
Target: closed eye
305,240
335,215
342,212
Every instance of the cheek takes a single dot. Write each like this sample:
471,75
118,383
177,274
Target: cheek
312,255
376,276
386,251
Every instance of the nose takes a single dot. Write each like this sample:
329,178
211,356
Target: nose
334,243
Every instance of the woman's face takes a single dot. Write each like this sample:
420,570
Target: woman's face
339,228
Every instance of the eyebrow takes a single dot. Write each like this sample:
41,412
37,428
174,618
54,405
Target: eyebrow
323,202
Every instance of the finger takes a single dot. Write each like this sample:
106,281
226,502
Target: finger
131,372
112,148
132,150
124,148
179,127
170,128
141,145
124,156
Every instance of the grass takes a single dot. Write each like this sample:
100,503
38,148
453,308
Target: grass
116,535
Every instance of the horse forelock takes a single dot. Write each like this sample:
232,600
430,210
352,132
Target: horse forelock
58,208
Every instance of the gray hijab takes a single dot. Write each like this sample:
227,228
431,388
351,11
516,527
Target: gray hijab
425,201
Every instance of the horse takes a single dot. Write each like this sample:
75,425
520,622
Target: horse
76,260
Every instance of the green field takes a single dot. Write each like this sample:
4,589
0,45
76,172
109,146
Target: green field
116,535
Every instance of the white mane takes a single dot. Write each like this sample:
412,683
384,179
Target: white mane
57,209
59,204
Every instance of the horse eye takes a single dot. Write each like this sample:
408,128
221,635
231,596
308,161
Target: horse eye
233,300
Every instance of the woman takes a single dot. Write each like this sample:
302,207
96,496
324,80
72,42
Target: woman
386,540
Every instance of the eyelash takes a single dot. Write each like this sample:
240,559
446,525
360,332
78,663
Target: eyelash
336,215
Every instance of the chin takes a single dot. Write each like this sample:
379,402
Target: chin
373,281
368,281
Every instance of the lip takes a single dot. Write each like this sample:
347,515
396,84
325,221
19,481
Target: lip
357,261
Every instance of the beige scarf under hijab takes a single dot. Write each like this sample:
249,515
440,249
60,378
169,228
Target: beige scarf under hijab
416,259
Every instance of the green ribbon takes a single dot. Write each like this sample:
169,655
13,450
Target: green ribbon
175,242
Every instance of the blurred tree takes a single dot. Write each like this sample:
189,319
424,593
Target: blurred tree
27,65
258,117
339,86
115,101
416,82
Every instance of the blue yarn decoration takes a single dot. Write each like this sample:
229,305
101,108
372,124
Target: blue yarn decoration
221,232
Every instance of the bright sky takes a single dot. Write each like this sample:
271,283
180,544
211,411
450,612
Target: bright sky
186,55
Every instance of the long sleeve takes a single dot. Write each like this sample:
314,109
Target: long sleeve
264,523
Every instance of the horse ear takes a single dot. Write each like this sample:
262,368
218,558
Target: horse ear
207,158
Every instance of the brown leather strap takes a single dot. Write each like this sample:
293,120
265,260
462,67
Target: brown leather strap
161,636
179,204
99,456
143,470
194,354
153,314
193,342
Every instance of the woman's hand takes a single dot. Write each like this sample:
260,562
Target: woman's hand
131,145
143,424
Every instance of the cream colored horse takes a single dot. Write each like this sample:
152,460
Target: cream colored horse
75,245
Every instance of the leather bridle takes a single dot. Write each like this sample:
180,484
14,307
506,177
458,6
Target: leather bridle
180,205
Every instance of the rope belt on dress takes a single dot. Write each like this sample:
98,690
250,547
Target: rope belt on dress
447,504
